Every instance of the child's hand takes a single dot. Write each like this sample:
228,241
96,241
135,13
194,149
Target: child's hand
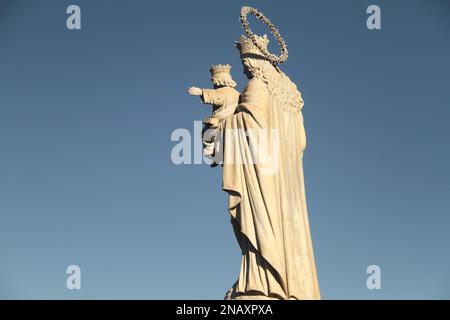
194,91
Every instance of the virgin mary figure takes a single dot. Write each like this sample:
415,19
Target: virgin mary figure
267,199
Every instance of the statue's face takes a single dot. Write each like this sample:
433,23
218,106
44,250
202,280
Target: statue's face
246,69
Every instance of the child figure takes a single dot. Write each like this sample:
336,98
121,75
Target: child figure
224,100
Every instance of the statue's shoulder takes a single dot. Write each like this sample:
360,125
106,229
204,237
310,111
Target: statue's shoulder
255,84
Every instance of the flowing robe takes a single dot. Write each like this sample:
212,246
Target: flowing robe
267,199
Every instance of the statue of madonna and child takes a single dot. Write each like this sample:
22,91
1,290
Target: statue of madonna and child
258,137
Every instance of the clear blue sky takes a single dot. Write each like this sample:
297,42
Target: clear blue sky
85,122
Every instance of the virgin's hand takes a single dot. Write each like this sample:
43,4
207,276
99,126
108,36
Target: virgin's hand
194,91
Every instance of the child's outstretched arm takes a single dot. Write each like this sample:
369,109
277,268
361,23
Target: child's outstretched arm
208,96
194,91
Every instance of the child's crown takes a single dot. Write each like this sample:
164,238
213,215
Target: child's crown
221,75
220,68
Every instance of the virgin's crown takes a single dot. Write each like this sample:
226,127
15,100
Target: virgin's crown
246,45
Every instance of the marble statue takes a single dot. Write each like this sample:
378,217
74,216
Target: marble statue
268,208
